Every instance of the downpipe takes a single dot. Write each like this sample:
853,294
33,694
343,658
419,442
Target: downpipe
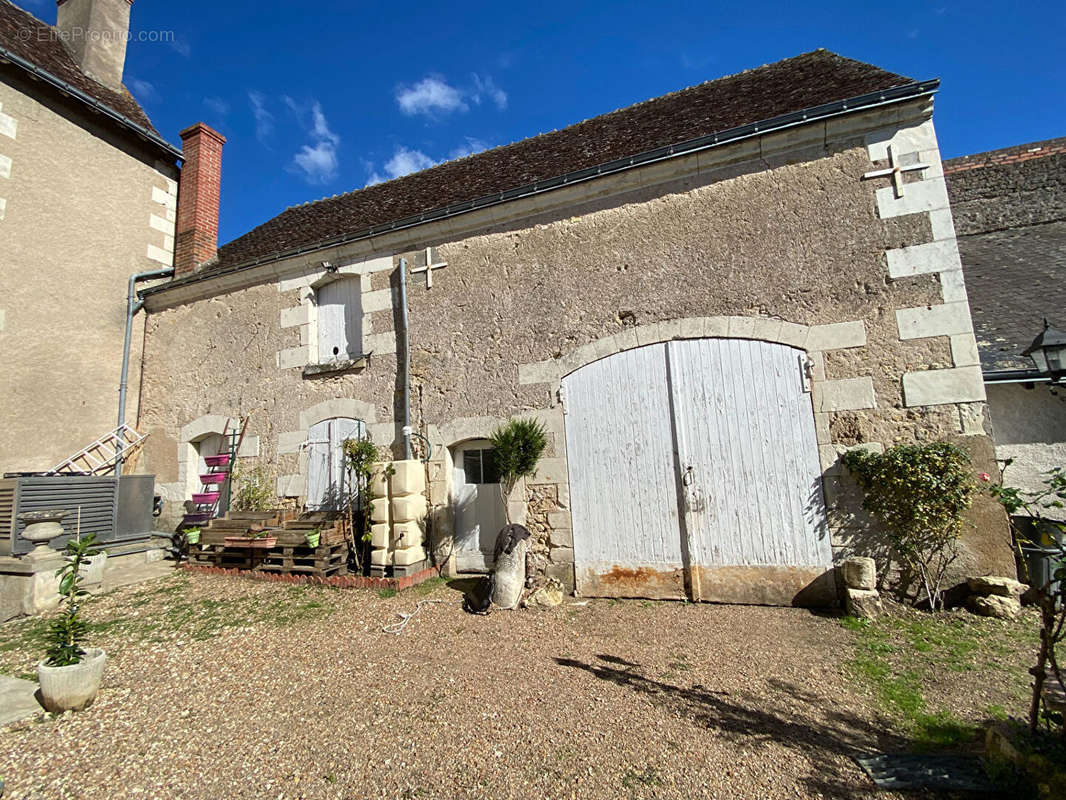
406,362
133,305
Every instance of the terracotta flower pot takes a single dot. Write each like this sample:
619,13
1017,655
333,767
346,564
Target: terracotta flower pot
74,687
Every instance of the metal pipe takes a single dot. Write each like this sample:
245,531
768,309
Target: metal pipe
133,305
406,362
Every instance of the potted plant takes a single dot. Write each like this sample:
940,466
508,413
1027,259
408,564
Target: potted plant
70,674
313,537
192,536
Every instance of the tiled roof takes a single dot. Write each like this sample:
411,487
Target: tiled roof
1014,279
792,85
34,41
1010,217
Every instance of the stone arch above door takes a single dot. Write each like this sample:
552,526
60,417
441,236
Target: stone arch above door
188,455
292,442
815,339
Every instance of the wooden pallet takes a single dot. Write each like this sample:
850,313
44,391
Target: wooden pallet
322,561
293,559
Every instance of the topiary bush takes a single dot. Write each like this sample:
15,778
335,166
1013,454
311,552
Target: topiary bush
516,449
920,492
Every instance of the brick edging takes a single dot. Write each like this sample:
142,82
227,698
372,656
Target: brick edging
337,581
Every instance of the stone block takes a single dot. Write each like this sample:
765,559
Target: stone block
562,555
714,327
766,329
538,372
953,286
847,394
986,585
295,357
291,441
964,350
859,572
925,195
296,315
741,327
381,557
939,320
550,470
409,477
564,574
863,603
923,259
994,606
559,519
943,386
792,334
836,336
942,224
561,537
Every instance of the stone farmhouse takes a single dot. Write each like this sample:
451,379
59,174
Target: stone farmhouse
88,192
706,298
1010,218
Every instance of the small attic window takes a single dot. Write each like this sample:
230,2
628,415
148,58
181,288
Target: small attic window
340,320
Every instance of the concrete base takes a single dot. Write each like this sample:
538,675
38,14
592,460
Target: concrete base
28,585
17,699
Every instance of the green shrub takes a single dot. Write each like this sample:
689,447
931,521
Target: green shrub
920,492
516,449
254,490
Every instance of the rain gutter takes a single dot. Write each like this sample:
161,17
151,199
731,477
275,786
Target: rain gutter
92,102
865,102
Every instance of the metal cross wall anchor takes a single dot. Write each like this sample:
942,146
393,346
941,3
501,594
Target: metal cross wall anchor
429,267
896,171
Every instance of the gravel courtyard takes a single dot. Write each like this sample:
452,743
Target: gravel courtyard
226,688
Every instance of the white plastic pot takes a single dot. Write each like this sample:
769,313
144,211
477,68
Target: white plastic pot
74,687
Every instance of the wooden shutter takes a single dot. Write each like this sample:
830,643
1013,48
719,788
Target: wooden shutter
340,320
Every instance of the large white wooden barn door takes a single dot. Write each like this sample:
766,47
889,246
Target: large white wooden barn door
750,474
696,456
624,499
326,476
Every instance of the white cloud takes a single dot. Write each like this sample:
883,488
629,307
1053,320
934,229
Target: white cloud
181,47
264,120
142,90
430,95
404,161
486,88
217,104
317,161
471,146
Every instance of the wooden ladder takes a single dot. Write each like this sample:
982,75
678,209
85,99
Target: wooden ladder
103,455
215,483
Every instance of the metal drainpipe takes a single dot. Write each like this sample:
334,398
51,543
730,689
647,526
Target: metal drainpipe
406,363
133,305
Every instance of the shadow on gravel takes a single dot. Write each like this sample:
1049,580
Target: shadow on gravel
799,721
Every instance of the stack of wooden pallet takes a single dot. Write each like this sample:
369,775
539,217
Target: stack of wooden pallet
232,542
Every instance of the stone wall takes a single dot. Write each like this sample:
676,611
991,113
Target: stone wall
80,211
782,239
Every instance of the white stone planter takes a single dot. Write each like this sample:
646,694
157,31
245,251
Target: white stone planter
74,687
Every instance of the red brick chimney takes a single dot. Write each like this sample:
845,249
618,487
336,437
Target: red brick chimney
196,239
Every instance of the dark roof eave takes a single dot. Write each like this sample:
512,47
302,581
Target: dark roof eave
850,105
66,88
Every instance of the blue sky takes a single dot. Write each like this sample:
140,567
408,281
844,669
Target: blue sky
320,98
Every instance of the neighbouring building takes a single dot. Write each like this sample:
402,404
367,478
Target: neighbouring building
88,192
1010,218
706,298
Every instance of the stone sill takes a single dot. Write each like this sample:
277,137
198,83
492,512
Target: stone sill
335,367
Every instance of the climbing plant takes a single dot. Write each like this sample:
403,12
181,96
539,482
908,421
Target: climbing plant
920,492
516,449
359,457
1049,595
255,490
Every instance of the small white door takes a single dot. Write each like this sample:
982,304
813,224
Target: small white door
479,511
327,487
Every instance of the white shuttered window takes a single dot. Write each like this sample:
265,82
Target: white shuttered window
340,320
